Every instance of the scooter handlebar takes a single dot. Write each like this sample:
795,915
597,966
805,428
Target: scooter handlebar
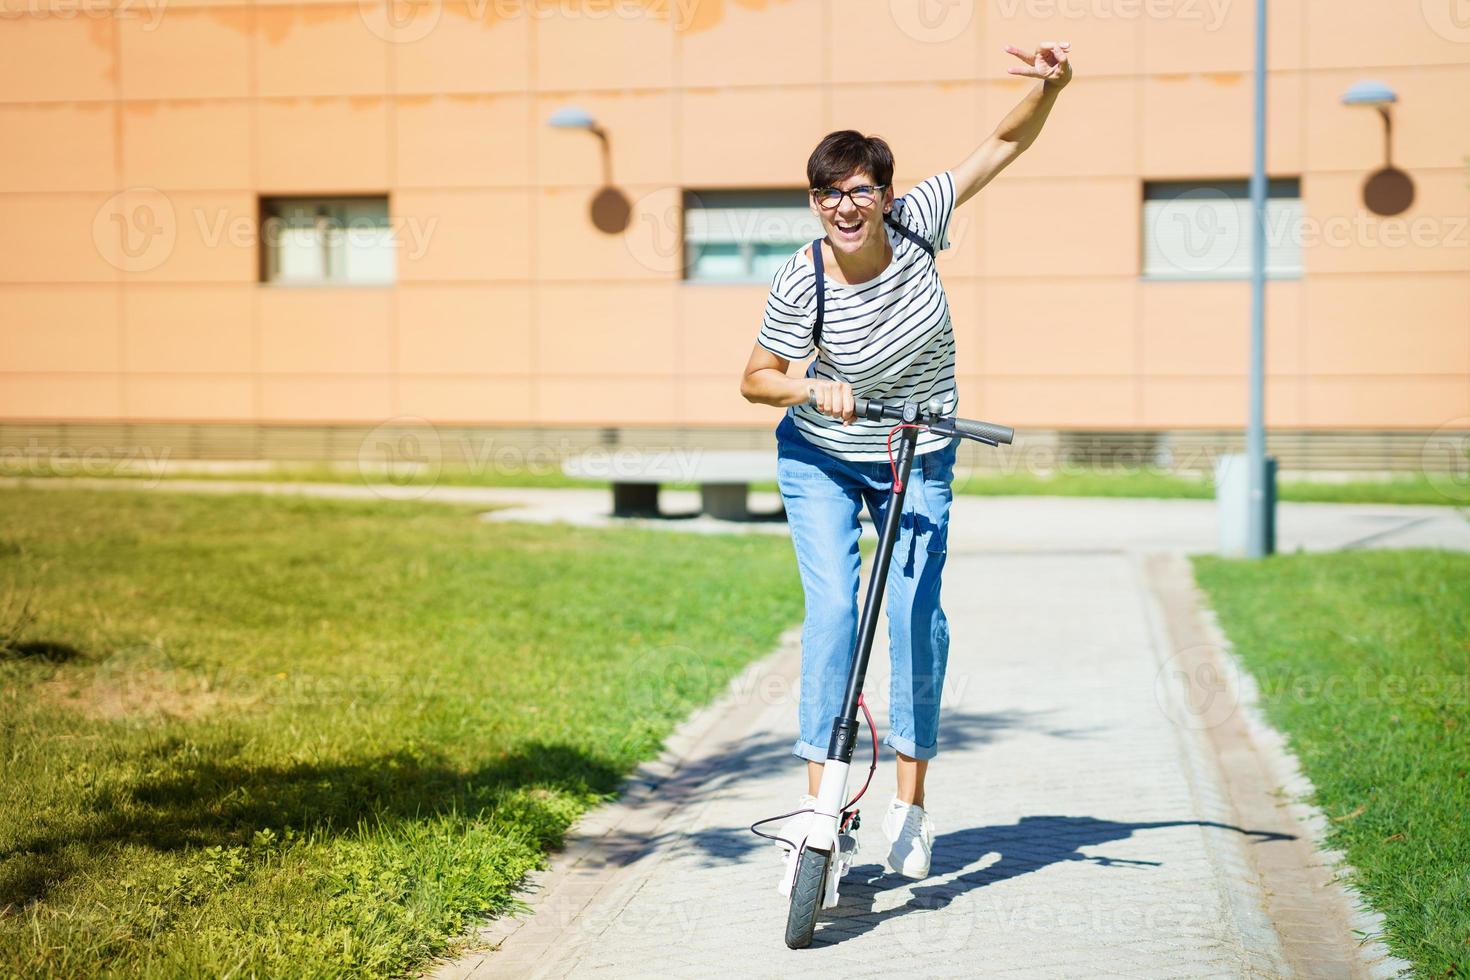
930,415
983,431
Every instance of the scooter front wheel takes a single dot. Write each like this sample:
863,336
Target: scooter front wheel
806,897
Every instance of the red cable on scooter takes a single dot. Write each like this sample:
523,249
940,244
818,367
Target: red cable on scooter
892,464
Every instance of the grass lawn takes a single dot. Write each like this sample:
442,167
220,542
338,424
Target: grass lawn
1408,489
1405,489
1363,660
289,737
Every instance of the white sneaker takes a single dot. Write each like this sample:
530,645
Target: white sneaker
911,832
795,827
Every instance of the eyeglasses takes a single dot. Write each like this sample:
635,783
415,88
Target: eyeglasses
863,195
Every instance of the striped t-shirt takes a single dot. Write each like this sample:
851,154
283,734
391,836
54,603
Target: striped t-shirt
890,337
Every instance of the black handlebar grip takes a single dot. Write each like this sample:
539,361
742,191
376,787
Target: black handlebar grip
984,430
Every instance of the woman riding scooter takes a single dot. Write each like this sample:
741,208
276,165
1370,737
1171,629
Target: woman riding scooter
868,301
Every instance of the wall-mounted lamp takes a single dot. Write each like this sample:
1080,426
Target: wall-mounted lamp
1388,191
611,209
574,117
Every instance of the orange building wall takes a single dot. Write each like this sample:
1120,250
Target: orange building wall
516,310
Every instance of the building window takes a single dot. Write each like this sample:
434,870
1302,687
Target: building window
1202,230
744,236
326,241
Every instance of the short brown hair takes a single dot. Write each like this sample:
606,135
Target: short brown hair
846,152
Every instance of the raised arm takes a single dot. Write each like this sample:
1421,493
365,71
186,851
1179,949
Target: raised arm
1022,125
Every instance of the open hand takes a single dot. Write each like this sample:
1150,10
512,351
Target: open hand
1048,62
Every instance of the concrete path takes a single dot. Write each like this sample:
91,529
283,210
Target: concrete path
1065,523
1085,824
1027,524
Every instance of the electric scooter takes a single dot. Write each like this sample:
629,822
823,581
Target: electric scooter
815,864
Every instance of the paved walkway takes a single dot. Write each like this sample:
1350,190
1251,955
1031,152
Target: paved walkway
1027,524
1085,826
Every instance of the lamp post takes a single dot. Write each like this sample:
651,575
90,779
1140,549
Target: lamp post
575,117
611,210
1258,521
1375,95
1387,191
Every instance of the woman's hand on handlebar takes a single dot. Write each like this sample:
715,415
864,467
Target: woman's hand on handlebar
832,398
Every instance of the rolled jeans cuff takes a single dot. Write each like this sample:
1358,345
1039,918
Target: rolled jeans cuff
910,748
809,752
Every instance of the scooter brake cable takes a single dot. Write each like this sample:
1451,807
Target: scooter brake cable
872,767
892,464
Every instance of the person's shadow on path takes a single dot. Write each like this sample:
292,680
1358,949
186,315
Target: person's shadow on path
1030,844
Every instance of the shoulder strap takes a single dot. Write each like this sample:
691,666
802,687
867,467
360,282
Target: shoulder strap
821,286
912,236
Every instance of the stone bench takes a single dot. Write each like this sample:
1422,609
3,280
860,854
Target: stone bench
723,476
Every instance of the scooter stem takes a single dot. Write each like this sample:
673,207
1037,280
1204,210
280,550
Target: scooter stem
845,726
832,794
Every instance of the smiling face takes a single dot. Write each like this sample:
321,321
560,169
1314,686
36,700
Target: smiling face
855,224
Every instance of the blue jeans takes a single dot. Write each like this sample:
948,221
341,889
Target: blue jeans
824,496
